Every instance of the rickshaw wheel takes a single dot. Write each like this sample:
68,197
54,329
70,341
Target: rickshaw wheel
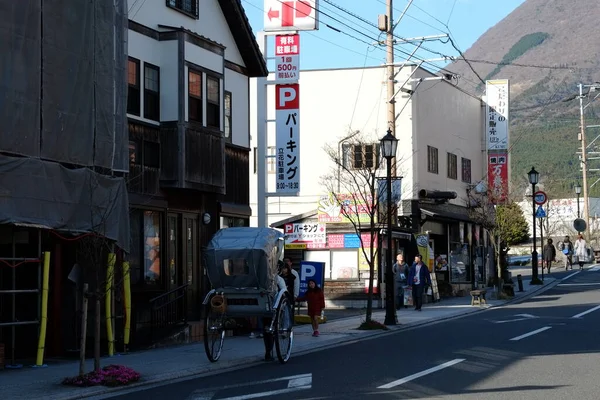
214,334
284,335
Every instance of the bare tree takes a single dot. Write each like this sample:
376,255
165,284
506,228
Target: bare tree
94,252
352,186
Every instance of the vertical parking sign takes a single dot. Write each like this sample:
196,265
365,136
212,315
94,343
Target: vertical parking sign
287,138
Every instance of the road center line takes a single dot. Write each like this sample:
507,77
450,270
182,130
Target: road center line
531,333
586,312
420,374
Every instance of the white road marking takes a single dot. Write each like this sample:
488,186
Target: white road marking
525,317
570,276
531,333
594,268
420,374
579,284
586,312
296,383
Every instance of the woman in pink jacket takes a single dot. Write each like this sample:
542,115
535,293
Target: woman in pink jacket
316,303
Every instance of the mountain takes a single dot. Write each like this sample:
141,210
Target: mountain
545,48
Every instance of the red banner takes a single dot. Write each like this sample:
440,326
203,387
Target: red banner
498,177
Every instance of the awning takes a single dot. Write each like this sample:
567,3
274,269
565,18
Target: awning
232,209
455,213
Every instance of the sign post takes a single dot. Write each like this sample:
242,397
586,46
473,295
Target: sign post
283,18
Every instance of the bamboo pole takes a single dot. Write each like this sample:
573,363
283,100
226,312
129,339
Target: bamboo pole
44,311
127,290
107,303
83,339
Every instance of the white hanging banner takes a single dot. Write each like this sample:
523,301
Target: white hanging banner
287,58
497,93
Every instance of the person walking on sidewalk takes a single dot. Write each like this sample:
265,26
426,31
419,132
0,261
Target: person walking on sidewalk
549,254
566,247
580,250
316,304
418,279
401,270
292,281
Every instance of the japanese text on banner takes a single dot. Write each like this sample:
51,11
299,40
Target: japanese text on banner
287,138
498,177
497,122
287,58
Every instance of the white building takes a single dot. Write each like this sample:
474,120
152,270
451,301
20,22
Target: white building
560,215
441,148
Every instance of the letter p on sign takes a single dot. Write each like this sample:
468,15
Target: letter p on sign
306,272
287,97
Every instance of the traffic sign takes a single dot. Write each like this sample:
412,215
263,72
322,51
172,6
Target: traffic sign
291,15
579,225
540,213
540,198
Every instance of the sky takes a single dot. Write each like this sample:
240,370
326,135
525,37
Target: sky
464,20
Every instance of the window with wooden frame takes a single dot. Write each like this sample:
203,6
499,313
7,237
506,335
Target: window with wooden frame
432,159
452,166
151,92
188,7
361,156
133,87
213,102
195,96
227,105
270,160
466,169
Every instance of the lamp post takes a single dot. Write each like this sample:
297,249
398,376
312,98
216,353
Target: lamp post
578,193
534,178
389,144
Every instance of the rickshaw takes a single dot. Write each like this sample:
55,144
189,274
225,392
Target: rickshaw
242,267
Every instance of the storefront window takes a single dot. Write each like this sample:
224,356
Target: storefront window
151,246
344,264
460,267
230,222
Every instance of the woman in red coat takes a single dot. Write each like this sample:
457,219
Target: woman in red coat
316,303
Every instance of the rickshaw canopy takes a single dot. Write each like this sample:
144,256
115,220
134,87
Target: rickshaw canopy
244,257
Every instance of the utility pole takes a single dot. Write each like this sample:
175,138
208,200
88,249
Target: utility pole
391,89
586,211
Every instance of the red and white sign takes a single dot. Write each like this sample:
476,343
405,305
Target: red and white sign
291,15
308,233
287,58
287,138
498,177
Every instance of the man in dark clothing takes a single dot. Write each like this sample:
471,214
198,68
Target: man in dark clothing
418,278
401,270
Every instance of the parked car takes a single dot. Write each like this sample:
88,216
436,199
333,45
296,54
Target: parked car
518,260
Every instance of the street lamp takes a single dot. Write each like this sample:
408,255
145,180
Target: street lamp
534,178
578,193
389,144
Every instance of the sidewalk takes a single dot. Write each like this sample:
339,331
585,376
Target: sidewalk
160,365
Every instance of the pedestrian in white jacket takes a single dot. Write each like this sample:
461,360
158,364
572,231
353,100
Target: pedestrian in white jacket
580,250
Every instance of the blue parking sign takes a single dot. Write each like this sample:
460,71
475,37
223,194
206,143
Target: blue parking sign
311,270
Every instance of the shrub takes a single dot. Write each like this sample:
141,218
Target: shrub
111,375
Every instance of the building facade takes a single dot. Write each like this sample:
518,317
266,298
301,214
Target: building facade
189,68
126,130
440,157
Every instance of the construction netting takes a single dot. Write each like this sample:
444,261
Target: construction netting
63,99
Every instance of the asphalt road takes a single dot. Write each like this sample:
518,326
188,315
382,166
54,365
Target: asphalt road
546,347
